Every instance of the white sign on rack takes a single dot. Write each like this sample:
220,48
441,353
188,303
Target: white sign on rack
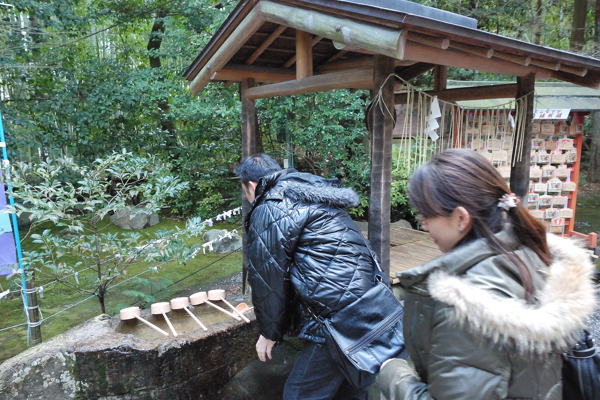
551,113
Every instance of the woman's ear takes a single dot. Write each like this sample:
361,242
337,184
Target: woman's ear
464,219
253,185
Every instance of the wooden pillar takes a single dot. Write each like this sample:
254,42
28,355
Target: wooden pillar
34,313
519,173
304,62
381,160
440,78
248,148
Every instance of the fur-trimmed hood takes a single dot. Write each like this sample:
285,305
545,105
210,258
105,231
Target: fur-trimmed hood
563,303
307,188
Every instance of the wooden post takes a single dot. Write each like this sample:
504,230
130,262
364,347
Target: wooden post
304,62
34,313
248,148
519,173
381,160
440,78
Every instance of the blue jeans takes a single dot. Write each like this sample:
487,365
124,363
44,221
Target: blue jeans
316,376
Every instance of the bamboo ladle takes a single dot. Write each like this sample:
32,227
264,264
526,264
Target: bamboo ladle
202,297
162,309
219,294
134,312
183,302
243,308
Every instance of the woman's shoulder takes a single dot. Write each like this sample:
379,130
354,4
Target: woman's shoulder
490,298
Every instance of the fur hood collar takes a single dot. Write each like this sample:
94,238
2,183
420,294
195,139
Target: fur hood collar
307,188
554,323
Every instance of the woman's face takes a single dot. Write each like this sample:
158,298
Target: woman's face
446,232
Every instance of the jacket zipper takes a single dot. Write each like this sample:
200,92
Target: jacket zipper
376,333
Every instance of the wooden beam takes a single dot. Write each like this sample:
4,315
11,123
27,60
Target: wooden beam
440,78
234,42
468,93
573,70
591,80
304,59
485,52
240,72
265,44
521,60
519,173
381,160
292,60
413,71
357,78
385,41
342,65
433,41
455,58
553,66
248,148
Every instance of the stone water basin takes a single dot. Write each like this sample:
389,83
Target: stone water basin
180,319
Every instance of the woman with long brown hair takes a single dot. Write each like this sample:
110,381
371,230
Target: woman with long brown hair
489,318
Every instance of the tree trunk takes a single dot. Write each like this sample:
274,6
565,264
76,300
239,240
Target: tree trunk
537,36
578,25
154,43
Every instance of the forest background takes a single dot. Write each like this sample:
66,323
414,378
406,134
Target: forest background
86,79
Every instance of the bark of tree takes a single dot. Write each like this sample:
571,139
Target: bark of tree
154,43
537,37
578,25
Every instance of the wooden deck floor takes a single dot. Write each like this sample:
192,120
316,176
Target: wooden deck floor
409,248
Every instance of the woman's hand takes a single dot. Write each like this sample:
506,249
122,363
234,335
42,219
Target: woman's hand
264,347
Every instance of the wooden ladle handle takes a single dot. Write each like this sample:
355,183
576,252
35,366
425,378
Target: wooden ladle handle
223,310
235,310
156,328
170,324
195,319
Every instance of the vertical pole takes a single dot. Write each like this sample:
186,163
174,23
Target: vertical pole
248,148
29,293
304,59
519,173
440,78
381,159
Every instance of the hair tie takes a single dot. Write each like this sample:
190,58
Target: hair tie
508,201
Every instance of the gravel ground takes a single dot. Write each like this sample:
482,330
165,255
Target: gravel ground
594,323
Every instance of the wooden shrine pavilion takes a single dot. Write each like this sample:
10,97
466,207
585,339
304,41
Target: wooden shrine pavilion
287,47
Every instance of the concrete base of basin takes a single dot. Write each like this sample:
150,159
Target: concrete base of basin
97,360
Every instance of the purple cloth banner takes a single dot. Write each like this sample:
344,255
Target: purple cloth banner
8,253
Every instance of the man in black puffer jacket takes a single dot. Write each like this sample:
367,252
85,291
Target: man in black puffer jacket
304,251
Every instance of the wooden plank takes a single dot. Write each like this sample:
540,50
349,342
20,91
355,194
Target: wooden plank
358,78
468,93
240,72
454,58
381,159
342,65
234,42
264,45
304,59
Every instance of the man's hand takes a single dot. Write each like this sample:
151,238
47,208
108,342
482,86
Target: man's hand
264,347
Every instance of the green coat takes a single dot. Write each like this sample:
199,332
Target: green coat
470,334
